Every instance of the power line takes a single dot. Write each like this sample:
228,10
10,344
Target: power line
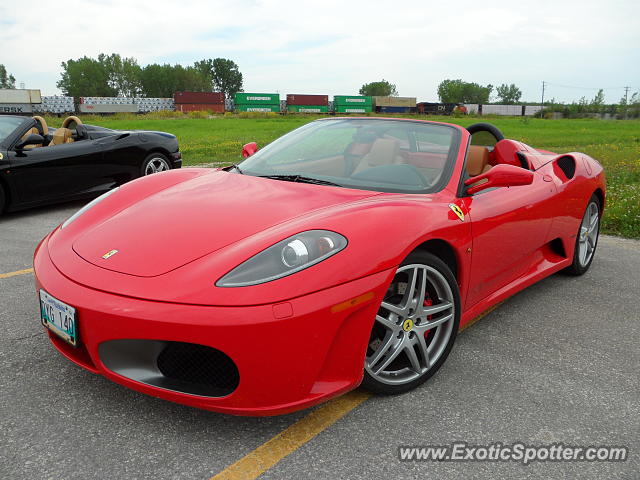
585,88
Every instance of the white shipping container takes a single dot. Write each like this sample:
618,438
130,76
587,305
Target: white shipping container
17,95
16,108
88,108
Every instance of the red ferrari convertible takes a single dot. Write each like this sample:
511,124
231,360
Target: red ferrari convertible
350,251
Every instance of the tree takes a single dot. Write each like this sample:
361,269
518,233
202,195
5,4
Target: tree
165,80
124,74
598,100
508,94
86,77
6,79
379,89
223,73
457,91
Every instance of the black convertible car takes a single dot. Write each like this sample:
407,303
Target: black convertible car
40,165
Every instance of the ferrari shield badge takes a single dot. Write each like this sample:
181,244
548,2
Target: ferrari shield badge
109,254
457,210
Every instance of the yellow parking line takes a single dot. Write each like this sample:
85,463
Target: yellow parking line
258,461
264,457
18,272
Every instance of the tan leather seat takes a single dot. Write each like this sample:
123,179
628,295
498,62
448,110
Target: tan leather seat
384,151
477,160
32,130
60,136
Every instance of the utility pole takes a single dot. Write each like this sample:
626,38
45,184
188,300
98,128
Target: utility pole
542,102
626,101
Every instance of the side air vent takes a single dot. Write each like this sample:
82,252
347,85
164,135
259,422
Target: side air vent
567,165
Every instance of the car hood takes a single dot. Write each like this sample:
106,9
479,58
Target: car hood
187,221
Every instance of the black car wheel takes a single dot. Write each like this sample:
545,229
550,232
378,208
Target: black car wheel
2,199
155,163
415,327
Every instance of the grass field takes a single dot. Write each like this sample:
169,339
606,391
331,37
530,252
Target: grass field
616,144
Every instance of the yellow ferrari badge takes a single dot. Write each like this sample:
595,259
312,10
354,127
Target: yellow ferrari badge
109,254
457,210
407,325
1,156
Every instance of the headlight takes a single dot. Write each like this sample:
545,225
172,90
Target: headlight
284,258
92,203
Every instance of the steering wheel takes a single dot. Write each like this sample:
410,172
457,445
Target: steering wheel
486,127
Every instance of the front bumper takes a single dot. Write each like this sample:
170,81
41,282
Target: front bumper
176,159
289,355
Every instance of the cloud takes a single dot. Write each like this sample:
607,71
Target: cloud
335,46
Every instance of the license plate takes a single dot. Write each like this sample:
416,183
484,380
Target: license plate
58,317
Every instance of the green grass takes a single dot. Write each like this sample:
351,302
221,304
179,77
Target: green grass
616,144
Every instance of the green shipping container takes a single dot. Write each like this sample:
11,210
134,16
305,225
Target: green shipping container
355,100
353,109
258,108
242,98
307,109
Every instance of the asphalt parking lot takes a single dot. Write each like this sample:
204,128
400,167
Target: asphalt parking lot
557,363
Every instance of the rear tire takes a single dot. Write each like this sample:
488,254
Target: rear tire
586,239
415,328
155,162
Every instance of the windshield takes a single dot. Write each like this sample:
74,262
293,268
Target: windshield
369,154
8,125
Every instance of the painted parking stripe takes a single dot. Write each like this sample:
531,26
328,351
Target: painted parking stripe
17,272
264,457
255,463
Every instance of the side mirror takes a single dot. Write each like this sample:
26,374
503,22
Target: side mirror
33,139
249,149
500,176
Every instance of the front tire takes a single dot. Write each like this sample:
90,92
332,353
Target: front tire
155,163
586,239
415,328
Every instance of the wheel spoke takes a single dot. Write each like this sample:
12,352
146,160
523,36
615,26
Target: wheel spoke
424,351
413,357
390,324
387,344
393,308
423,327
433,309
390,354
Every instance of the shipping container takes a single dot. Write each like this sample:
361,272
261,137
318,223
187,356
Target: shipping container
15,108
242,98
199,97
307,100
108,108
428,108
258,108
385,109
353,109
394,101
19,95
352,100
200,107
307,108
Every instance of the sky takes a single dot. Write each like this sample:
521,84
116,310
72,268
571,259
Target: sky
334,47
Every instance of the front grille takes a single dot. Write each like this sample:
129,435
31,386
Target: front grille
200,365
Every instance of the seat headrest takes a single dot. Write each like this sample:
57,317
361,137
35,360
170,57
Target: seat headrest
43,125
71,122
477,159
383,152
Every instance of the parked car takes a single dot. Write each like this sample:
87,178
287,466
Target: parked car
41,165
349,251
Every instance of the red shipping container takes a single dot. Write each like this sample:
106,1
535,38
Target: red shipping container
199,97
199,107
307,99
